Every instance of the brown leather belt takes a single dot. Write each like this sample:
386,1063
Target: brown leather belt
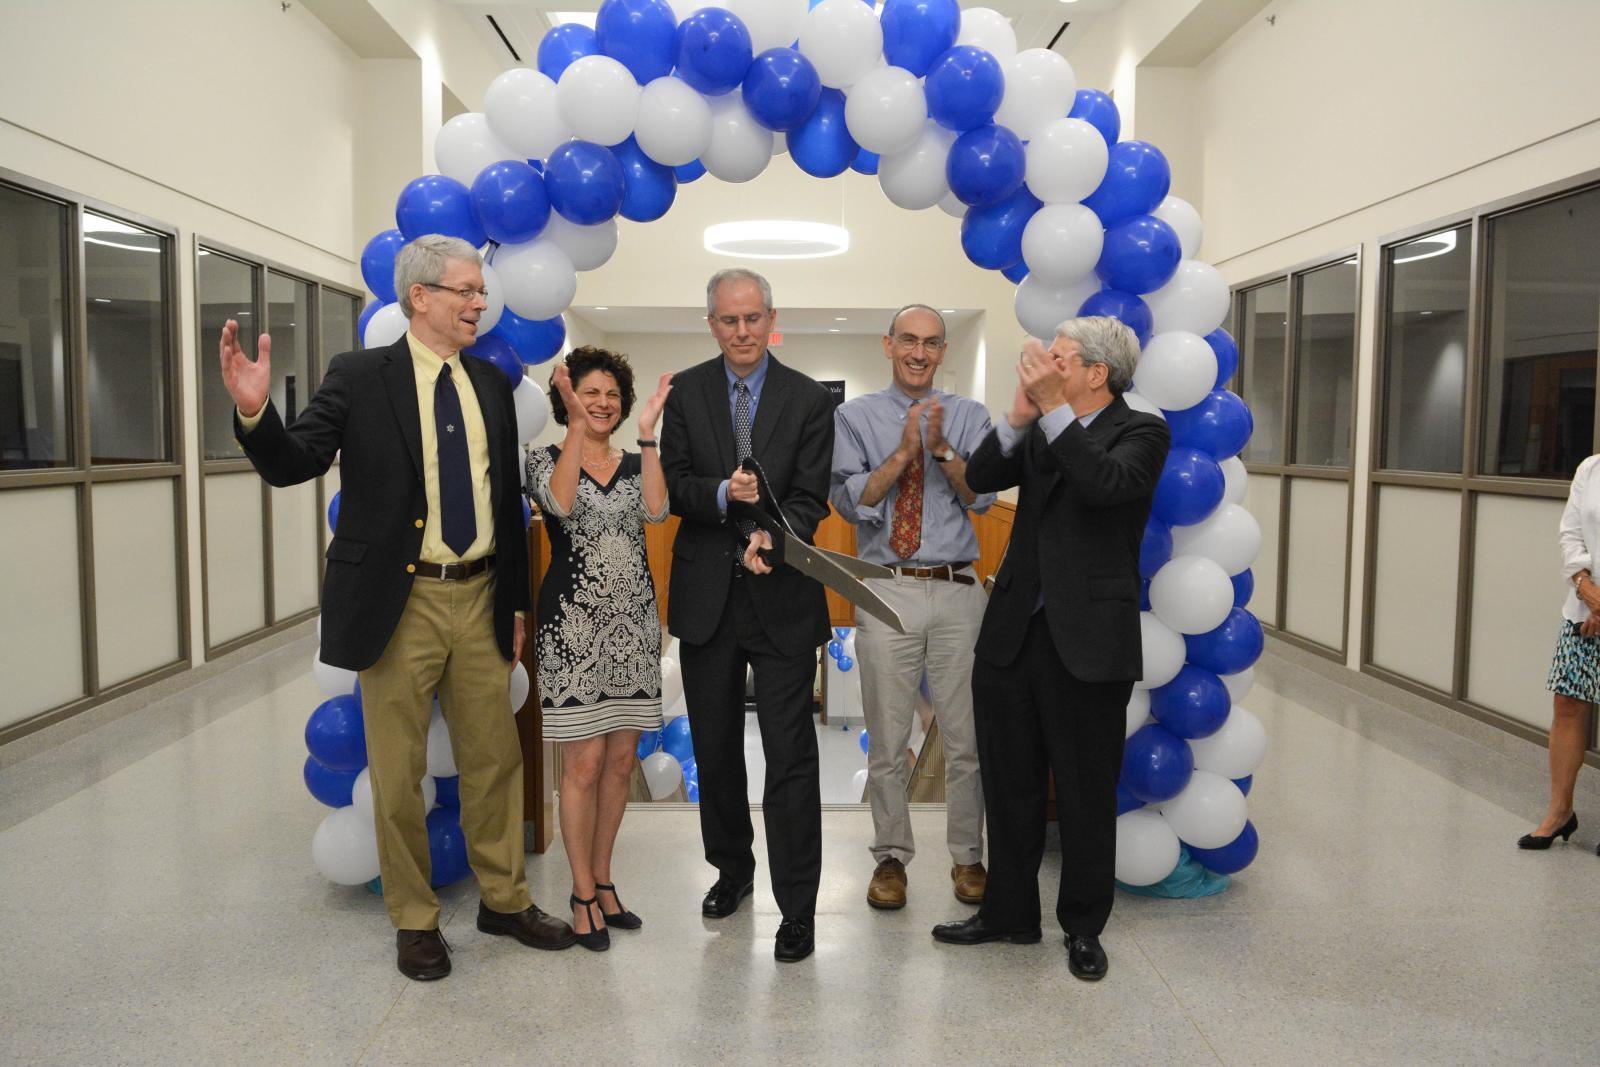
943,573
454,572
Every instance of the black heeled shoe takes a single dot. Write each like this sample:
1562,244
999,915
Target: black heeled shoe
1539,842
598,939
623,919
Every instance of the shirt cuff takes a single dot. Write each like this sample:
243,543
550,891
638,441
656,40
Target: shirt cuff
854,486
1054,422
1009,437
722,498
250,422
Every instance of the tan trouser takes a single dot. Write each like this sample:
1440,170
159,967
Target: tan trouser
445,644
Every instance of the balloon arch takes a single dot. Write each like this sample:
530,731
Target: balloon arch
944,109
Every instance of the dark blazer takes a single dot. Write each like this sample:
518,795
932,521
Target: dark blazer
1081,513
792,439
366,412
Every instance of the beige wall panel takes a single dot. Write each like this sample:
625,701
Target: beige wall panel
236,599
1516,606
135,578
41,625
296,544
1261,499
1414,583
1319,515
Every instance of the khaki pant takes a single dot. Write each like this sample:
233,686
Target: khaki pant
445,644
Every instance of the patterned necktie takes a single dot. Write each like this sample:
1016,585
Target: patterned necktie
905,535
458,521
741,440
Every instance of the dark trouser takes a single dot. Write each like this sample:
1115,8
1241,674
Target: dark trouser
713,685
1034,718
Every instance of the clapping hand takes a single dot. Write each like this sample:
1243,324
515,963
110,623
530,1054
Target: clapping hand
651,411
1042,377
247,382
933,433
911,435
577,417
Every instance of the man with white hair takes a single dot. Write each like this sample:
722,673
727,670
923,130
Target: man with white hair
1060,646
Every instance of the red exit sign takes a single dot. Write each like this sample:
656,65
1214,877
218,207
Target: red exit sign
774,340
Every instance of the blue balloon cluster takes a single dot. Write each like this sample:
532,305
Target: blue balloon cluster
836,650
676,740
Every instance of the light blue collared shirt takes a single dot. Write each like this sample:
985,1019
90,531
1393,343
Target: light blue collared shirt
753,382
1051,424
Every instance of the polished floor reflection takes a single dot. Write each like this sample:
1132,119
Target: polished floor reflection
160,905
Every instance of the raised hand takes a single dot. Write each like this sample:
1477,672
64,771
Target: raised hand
650,412
577,417
1042,376
249,383
933,432
911,436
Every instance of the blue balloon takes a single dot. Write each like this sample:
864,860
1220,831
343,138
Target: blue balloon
841,632
1144,595
329,786
691,776
689,171
1099,111
377,264
1231,647
1140,254
845,663
991,235
1155,548
836,648
564,44
865,162
639,34
527,512
447,847
434,203
863,739
1244,587
1137,179
712,50
676,740
510,201
917,32
781,89
1126,801
648,187
500,352
366,317
1015,273
1156,764
336,735
333,513
1245,783
584,181
1227,350
691,791
649,742
534,340
986,165
449,791
1233,857
964,88
1194,704
1190,488
1125,307
1220,424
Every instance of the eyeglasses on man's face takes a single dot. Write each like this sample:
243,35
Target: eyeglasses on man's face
731,322
906,342
466,293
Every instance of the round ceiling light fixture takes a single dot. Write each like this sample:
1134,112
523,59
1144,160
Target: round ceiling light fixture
776,239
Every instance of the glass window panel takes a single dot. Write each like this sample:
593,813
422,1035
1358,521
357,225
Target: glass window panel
34,429
225,293
339,315
1542,310
1263,327
1325,333
1429,287
289,321
125,283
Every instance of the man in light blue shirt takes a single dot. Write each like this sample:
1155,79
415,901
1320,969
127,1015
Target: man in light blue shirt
899,463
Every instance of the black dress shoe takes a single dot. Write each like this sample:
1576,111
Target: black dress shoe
975,931
796,941
622,919
598,939
530,926
1539,842
722,899
1085,958
423,955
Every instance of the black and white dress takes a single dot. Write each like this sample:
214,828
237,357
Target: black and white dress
599,637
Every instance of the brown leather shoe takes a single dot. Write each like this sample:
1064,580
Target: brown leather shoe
530,926
887,890
971,880
423,955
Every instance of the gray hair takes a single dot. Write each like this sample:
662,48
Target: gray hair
423,261
1102,339
916,307
735,274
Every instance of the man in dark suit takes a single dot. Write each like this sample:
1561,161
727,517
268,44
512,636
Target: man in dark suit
1060,646
426,580
730,610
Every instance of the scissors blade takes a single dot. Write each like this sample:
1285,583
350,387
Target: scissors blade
819,564
857,568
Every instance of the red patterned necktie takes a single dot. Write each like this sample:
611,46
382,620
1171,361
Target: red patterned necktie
906,533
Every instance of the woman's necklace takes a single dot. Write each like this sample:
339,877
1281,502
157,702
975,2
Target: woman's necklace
601,463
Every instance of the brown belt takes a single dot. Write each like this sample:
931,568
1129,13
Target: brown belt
454,572
944,573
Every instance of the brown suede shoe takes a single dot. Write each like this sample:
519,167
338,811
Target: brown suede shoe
887,890
423,956
970,880
531,926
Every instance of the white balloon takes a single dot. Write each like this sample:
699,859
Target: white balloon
1230,535
1191,594
671,682
1239,684
441,757
674,124
430,793
913,178
662,773
1147,849
345,848
333,681
520,685
465,145
1195,299
1209,813
1042,306
1185,222
858,781
1138,712
1040,88
539,279
598,99
588,247
1163,649
387,325
495,302
1143,403
740,146
843,40
1066,161
1234,751
772,23
1236,480
985,28
780,143
1176,370
361,794
523,113
952,205
1061,243
886,110
533,409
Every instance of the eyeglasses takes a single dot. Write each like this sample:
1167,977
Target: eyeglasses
932,345
465,294
751,320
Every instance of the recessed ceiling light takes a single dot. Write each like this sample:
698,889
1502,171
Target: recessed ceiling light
947,311
1426,247
598,308
840,318
107,300
833,329
776,239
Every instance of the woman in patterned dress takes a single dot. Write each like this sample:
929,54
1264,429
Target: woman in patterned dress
599,636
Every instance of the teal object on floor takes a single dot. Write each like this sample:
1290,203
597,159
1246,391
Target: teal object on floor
1187,880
